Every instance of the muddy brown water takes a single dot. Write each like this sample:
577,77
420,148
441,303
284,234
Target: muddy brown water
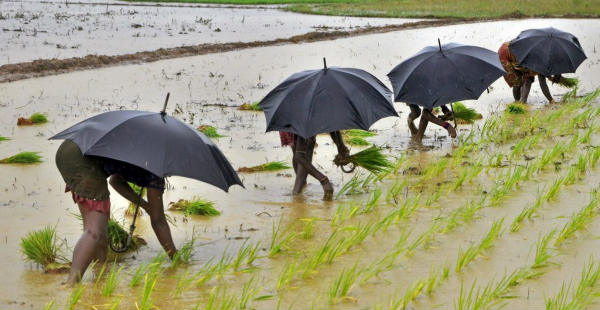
32,196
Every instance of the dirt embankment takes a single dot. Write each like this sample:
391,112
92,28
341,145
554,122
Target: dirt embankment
45,67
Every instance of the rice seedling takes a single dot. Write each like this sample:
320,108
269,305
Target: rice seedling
196,206
269,166
594,156
587,137
2,138
357,141
209,131
74,297
112,280
394,191
207,272
340,287
465,257
371,159
138,275
38,118
352,187
572,175
288,273
219,299
474,299
465,115
359,133
22,158
248,292
425,238
579,220
115,305
542,251
307,230
583,295
118,235
146,301
345,212
49,305
184,254
526,213
251,106
42,246
560,301
567,82
432,281
412,292
184,281
280,239
516,108
241,256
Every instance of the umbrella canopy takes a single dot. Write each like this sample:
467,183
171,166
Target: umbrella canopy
442,74
548,51
319,101
156,142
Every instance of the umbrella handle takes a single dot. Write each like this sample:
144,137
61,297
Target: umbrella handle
117,248
164,110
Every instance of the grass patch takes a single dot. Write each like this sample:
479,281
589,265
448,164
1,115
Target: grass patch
42,246
250,107
209,131
371,159
428,8
270,166
516,108
23,158
195,207
465,115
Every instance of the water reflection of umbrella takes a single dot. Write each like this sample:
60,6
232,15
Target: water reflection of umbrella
326,100
155,142
442,74
548,51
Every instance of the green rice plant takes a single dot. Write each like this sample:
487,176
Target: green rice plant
2,138
196,206
269,166
432,281
412,292
307,230
461,215
554,189
340,287
253,253
42,246
219,299
587,137
425,238
581,164
371,159
526,213
473,299
209,131
184,254
184,281
112,281
23,158
352,187
359,133
115,305
286,276
491,236
280,239
345,212
435,196
357,141
543,253
435,169
568,82
372,201
572,175
583,295
381,265
249,291
516,108
207,272
74,297
594,156
38,118
579,220
138,275
462,176
49,305
251,106
560,301
465,257
118,235
394,191
463,114
146,301
241,256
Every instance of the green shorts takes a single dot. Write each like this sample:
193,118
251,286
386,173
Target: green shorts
84,175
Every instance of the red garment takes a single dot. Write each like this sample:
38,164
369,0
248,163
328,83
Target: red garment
515,75
102,206
287,138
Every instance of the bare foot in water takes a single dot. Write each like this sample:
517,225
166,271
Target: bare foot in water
327,191
451,131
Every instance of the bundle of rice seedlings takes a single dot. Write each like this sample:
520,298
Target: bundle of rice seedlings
567,82
516,108
464,115
43,248
359,133
117,235
209,131
371,159
195,207
22,158
251,107
38,118
131,208
270,166
3,138
357,141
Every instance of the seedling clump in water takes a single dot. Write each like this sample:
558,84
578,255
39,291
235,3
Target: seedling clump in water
43,248
34,119
465,115
209,131
118,235
371,159
270,166
250,107
23,158
195,207
516,108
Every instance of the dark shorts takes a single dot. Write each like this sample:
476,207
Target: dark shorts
84,175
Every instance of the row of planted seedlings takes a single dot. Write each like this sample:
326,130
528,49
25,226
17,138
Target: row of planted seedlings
335,247
340,241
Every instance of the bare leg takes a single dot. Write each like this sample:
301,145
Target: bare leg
431,118
415,112
155,210
545,89
91,245
525,90
304,147
421,132
516,90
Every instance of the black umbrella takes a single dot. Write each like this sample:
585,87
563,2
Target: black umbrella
442,74
548,51
330,99
155,142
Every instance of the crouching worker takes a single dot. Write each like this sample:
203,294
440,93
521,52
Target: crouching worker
85,178
427,117
302,162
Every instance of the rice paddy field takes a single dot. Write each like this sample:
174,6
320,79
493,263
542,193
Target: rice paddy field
504,216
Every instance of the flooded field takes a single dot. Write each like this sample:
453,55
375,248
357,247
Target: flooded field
34,30
395,243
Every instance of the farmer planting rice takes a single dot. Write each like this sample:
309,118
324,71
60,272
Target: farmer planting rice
426,117
85,178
